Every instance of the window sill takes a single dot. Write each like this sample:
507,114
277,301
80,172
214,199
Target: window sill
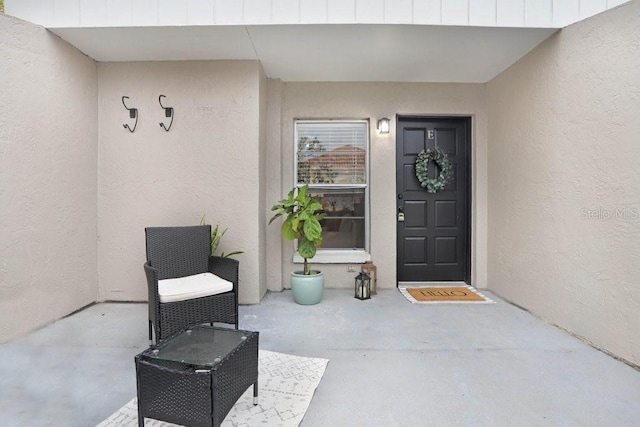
336,257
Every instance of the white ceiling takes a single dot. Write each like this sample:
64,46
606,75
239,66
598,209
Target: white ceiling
327,52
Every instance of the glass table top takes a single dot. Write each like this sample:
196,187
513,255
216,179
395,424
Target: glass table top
199,345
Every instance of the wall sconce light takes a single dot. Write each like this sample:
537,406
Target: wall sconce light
133,114
168,112
383,125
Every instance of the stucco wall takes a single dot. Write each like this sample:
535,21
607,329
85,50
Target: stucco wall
209,163
273,181
262,182
564,181
48,156
373,101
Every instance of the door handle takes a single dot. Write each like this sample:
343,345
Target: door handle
400,215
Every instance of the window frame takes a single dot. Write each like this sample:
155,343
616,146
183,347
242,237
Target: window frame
338,255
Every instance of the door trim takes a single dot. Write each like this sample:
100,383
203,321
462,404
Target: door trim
468,121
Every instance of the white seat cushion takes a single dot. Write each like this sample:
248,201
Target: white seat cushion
189,287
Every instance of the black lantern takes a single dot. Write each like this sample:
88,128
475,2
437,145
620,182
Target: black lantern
363,286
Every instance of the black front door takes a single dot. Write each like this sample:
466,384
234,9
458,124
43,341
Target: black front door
433,228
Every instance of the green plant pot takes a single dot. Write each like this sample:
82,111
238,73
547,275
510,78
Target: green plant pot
307,290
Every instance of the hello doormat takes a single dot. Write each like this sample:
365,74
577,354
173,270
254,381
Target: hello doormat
443,294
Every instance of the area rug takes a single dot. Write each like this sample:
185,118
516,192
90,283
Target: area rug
444,294
286,385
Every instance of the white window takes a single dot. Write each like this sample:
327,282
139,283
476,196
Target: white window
332,157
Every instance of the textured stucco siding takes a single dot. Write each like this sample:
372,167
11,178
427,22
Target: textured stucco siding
564,181
273,181
260,214
48,157
208,163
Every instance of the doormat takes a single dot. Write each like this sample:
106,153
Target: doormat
286,385
444,294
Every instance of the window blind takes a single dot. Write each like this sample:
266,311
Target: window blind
331,152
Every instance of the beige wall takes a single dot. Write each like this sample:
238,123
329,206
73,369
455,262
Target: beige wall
563,146
48,156
260,217
372,101
273,182
209,163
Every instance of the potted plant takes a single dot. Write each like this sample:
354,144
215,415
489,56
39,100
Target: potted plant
302,216
216,236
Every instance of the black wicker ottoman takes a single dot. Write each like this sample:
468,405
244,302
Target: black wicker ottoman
195,377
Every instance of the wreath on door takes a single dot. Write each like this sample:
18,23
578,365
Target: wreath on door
433,185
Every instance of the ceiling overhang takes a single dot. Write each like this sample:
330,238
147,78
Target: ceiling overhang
324,52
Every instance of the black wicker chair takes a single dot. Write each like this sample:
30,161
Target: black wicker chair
174,252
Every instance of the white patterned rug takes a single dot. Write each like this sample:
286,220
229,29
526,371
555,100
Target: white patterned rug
286,385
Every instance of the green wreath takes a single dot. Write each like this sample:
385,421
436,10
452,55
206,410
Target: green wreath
433,185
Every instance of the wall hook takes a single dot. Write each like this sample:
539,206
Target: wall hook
168,112
133,114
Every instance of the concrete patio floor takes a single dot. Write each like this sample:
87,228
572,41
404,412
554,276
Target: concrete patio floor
392,363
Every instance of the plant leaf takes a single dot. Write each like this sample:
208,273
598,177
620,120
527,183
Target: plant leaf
302,193
276,216
312,229
230,254
306,249
287,230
